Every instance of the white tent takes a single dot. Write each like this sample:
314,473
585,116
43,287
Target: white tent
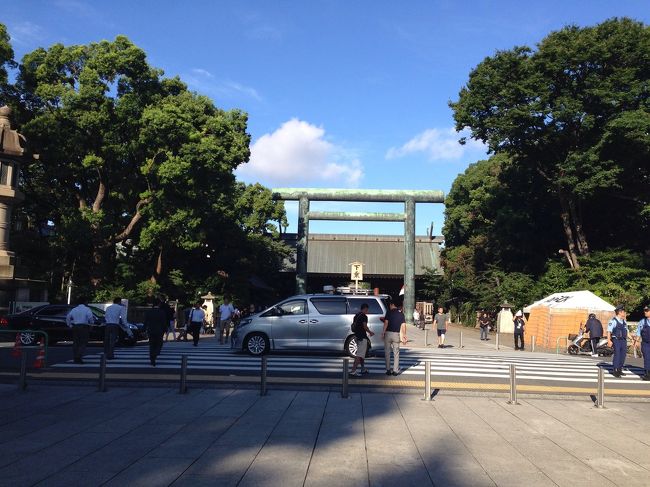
572,300
561,314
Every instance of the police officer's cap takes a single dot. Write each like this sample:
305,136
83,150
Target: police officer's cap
646,307
620,307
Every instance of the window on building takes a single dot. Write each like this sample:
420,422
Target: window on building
4,172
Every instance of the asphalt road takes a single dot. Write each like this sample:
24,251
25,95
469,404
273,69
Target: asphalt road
470,368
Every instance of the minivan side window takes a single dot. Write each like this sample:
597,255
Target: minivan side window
373,306
329,306
296,307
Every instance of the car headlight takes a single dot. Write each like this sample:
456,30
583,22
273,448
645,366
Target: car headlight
132,327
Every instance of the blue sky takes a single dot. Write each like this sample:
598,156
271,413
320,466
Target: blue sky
339,94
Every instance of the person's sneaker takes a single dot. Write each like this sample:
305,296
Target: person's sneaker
594,355
389,372
356,373
396,372
646,377
365,371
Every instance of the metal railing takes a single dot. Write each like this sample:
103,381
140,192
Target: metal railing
264,367
513,384
44,346
557,344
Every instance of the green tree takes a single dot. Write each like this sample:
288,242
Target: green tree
508,221
136,174
555,110
6,61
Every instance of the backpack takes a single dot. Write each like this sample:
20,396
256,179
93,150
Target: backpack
620,330
353,326
645,332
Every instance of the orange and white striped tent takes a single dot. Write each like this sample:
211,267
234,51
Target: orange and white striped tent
561,314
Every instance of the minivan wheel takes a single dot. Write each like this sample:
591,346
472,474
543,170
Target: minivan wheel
256,344
573,350
351,346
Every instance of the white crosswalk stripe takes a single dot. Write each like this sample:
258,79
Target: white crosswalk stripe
445,363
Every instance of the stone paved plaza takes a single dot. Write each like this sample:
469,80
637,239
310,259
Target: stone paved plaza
64,435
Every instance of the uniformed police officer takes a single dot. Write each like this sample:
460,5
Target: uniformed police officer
620,343
645,345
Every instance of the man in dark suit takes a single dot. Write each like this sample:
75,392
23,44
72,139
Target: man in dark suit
155,321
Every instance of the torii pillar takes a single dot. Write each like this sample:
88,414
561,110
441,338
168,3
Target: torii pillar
409,198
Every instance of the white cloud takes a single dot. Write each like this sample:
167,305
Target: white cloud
298,153
202,72
26,33
437,144
206,83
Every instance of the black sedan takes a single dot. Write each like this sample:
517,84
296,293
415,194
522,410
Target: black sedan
50,318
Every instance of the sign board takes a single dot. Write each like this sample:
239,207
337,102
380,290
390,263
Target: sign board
356,273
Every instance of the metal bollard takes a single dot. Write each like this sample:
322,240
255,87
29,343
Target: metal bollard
461,339
600,396
427,380
532,343
496,344
22,380
102,373
344,378
263,376
426,338
183,388
513,384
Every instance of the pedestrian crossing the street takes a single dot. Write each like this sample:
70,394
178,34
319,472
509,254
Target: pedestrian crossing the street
474,366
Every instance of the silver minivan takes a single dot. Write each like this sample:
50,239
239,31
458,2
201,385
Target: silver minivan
310,322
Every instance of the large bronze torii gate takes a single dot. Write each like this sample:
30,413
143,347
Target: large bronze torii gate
409,198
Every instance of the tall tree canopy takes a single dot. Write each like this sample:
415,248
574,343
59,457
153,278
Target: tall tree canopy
136,174
562,203
563,112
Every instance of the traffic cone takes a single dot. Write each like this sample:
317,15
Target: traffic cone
17,347
40,357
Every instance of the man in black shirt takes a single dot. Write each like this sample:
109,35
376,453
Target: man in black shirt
484,323
361,332
520,326
155,321
394,333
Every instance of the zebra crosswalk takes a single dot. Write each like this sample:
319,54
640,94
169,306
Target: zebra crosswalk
473,366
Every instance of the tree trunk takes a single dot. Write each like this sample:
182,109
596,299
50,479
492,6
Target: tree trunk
576,220
159,267
568,230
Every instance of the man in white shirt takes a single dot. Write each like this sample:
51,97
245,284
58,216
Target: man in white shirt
226,312
114,316
195,322
79,319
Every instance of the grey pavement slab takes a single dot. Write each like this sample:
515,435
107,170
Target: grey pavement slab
550,458
601,457
502,461
157,437
446,457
